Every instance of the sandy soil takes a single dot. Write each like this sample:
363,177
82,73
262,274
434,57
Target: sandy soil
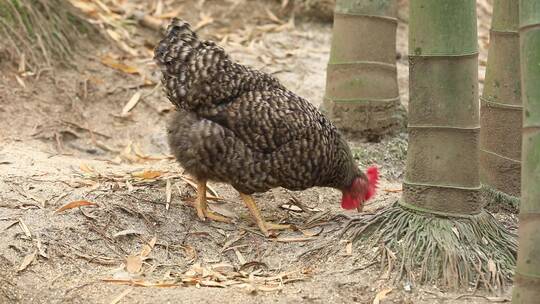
64,139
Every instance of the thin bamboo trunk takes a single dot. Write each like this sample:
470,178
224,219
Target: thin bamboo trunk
442,160
527,277
501,110
362,95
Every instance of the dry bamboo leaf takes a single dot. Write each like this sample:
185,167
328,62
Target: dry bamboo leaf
222,211
131,103
86,168
140,283
190,253
75,204
206,19
147,174
284,3
309,233
393,190
286,26
240,256
381,295
22,64
104,7
127,232
24,228
41,250
269,288
348,249
27,260
134,263
147,248
168,194
223,268
119,297
110,62
159,8
84,6
294,239
273,17
209,283
20,81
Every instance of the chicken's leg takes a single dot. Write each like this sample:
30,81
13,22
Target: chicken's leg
263,226
202,206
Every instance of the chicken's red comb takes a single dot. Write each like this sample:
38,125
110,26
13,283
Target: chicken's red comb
373,178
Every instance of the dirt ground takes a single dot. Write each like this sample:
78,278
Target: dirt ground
67,136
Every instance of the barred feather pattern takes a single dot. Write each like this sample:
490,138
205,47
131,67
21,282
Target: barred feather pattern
241,126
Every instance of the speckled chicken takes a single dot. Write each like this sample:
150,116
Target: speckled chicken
240,126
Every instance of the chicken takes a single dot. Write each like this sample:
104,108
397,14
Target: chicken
240,126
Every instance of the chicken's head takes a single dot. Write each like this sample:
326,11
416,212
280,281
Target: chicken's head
361,189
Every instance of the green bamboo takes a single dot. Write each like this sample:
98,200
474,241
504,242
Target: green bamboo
362,96
527,277
439,231
442,161
501,110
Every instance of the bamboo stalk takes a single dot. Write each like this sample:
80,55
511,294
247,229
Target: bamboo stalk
442,161
501,110
362,95
527,277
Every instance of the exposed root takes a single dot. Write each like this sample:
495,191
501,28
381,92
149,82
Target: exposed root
497,201
426,248
37,33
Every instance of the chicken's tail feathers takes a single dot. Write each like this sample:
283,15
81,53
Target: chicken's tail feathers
175,49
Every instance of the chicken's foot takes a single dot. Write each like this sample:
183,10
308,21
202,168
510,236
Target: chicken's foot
201,205
256,214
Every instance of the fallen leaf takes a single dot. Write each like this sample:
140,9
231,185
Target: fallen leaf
348,249
294,239
134,263
75,204
240,256
147,174
147,248
190,253
24,228
85,7
126,232
119,297
27,260
141,283
22,64
20,81
206,19
86,168
273,17
41,250
168,194
381,295
131,103
110,62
